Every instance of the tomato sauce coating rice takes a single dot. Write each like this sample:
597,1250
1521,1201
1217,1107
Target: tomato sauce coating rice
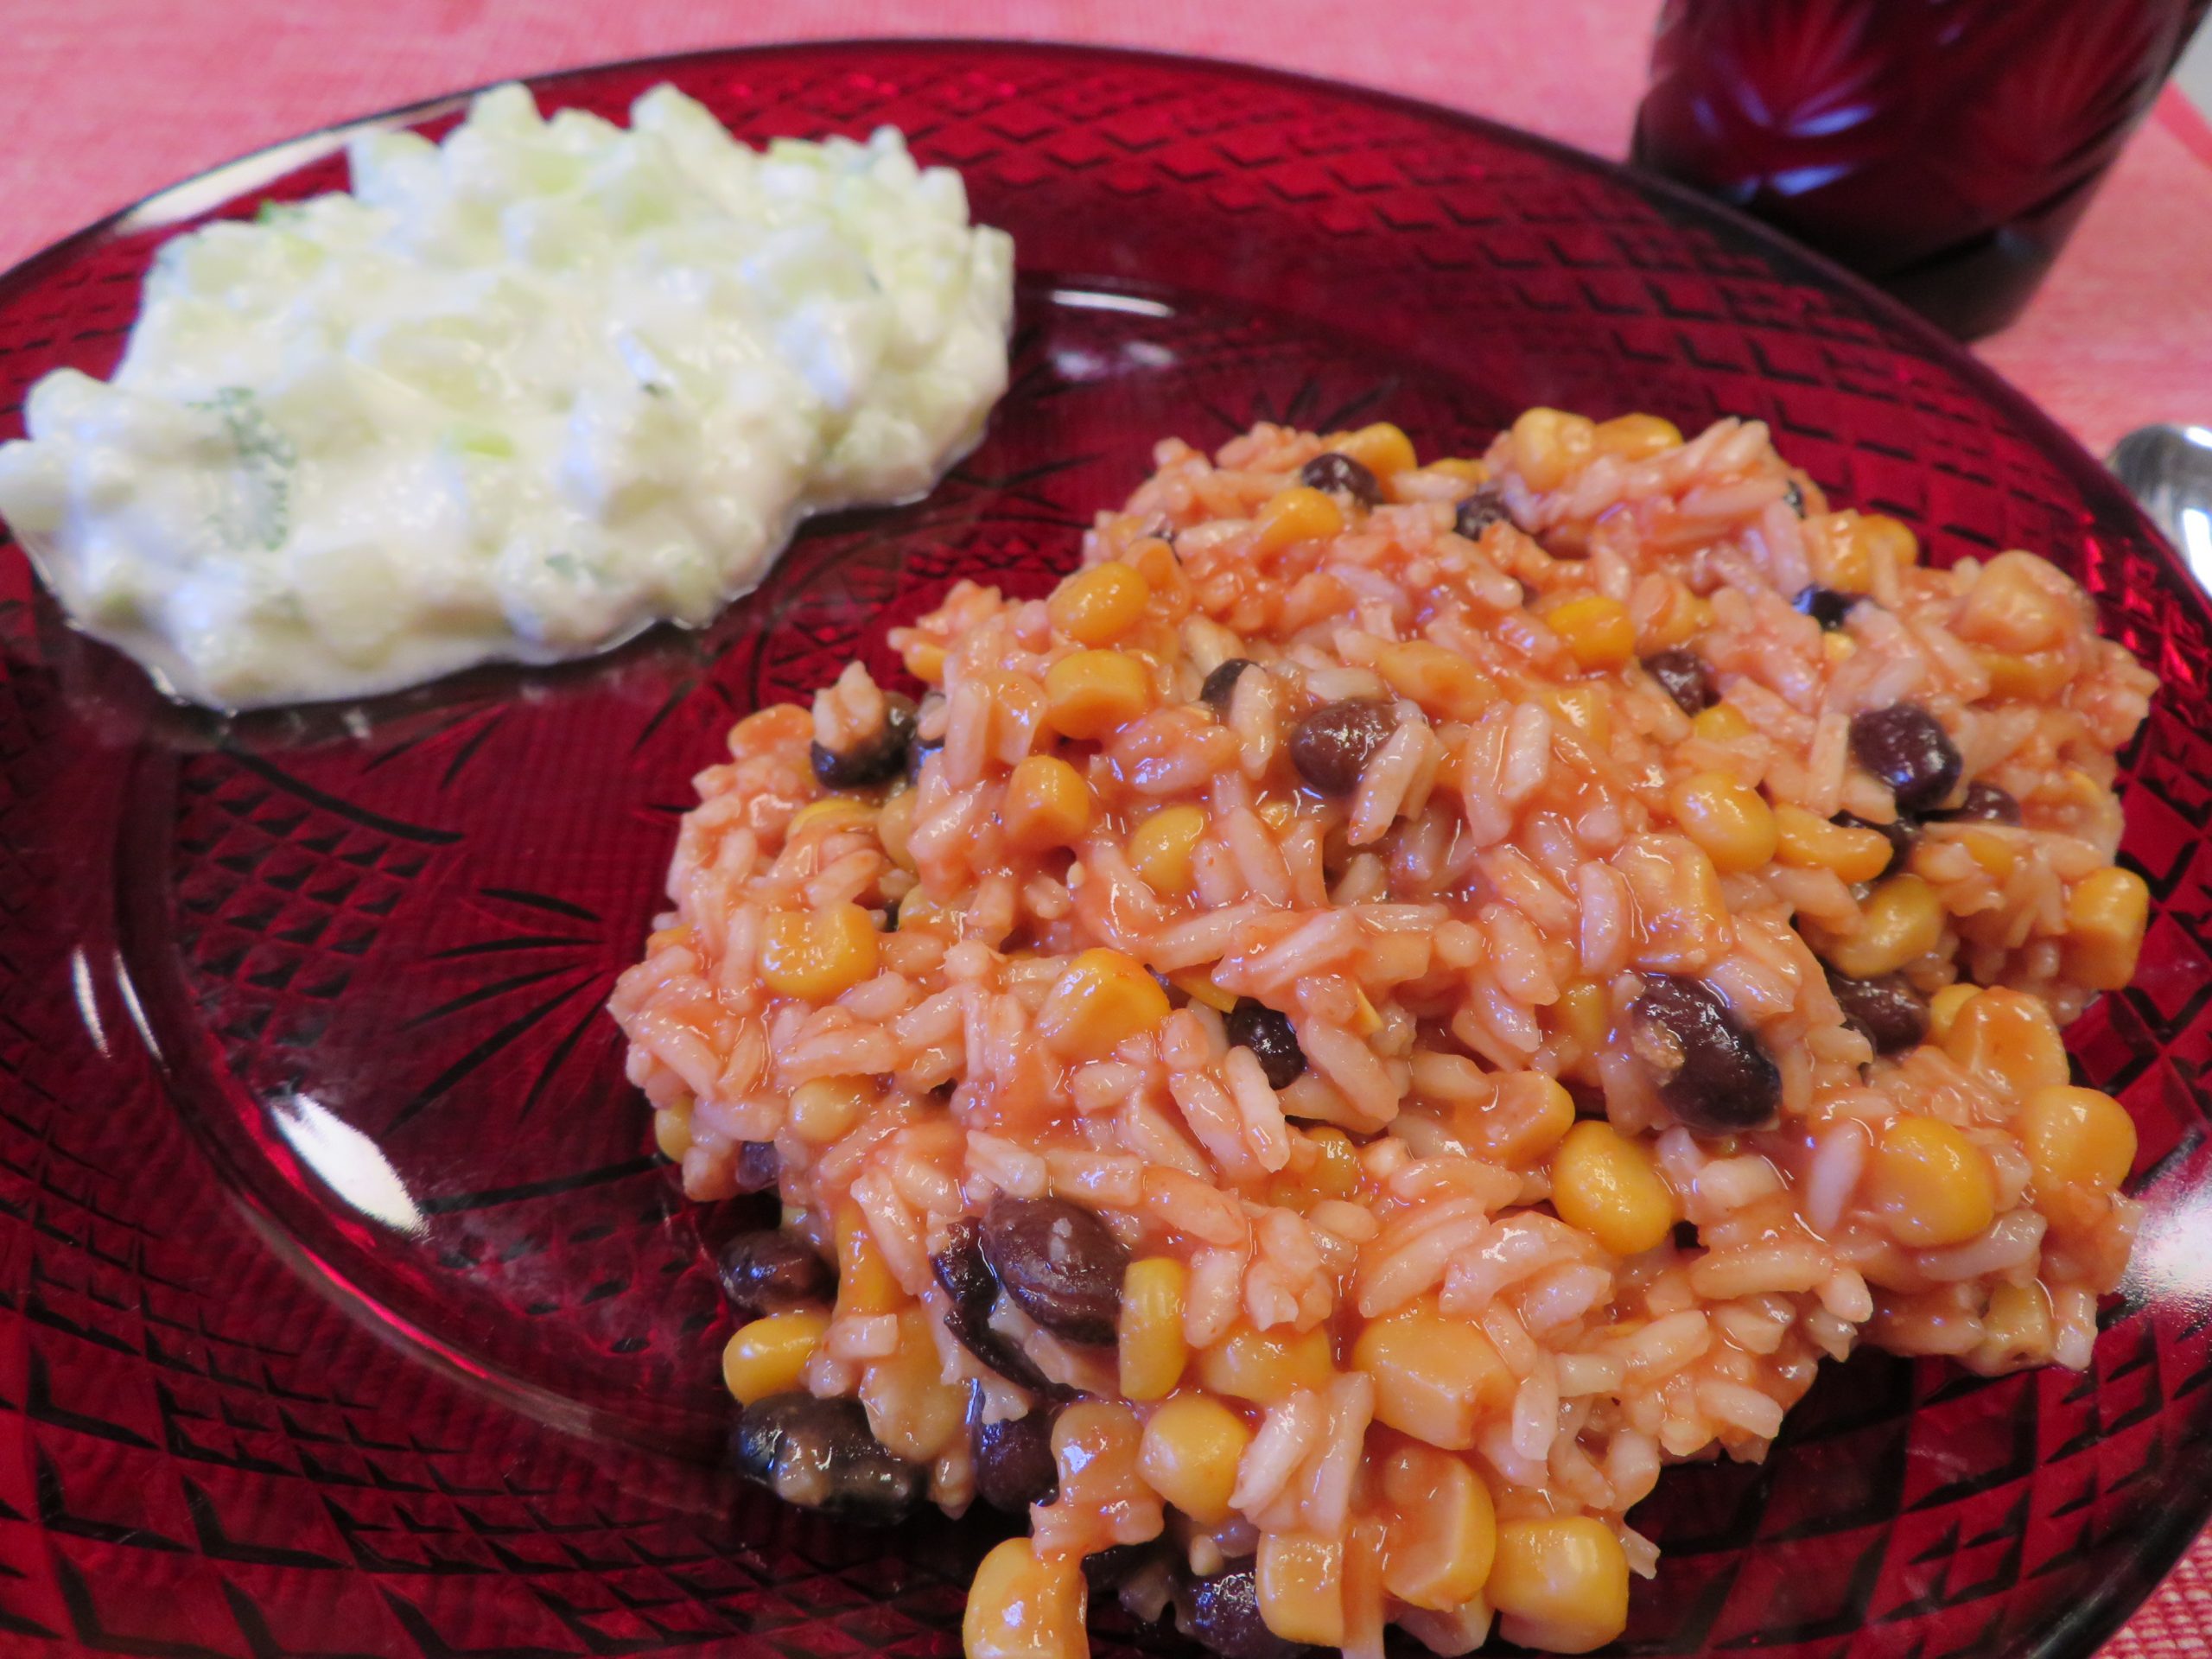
1398,1002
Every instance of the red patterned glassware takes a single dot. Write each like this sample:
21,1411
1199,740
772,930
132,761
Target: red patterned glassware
345,1308
1944,148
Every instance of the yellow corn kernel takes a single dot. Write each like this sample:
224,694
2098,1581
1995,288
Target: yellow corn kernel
1150,1329
1160,848
1102,998
2016,1329
1605,1184
1022,1606
2077,1137
894,828
1731,820
1383,448
1047,804
1298,514
864,1280
1550,446
919,913
1585,1013
1098,605
1838,648
2078,789
1586,708
2039,676
1154,560
2019,604
1197,984
1722,723
673,1128
1806,840
832,811
1267,1367
2035,676
1443,1528
1841,560
1679,621
1932,1185
1300,1582
768,1355
1337,1171
1596,630
1996,851
924,660
1522,1121
1436,1378
2106,915
1890,537
1636,437
1561,1583
2009,1037
824,1109
821,954
1091,692
1943,1008
911,1409
1901,922
1192,1447
1445,685
1334,1172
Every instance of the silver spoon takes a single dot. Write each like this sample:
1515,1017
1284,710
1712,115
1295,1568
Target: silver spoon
2168,469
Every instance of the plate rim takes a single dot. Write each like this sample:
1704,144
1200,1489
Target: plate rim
2080,1630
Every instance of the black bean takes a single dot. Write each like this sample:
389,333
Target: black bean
1478,511
1331,746
758,1167
1825,606
875,759
1905,747
1342,473
1221,1614
1794,497
1221,683
960,1267
1013,1458
1686,1235
974,1290
1684,676
1714,1076
1898,832
1271,1038
767,1271
1983,803
1887,1010
1059,1262
820,1455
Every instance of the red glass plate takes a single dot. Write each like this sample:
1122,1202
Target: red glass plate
343,1307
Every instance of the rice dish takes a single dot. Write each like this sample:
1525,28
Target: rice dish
1402,999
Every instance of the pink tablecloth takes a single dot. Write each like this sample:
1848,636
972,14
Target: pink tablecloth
108,100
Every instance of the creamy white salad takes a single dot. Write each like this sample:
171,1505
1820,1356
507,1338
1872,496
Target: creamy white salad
517,395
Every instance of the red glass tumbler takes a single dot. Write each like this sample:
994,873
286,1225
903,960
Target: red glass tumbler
1944,148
